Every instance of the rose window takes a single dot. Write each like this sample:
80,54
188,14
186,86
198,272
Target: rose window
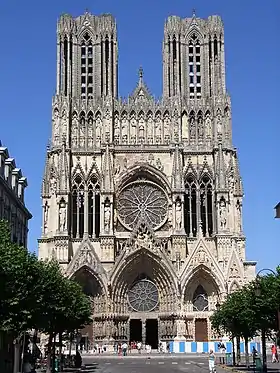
143,296
142,200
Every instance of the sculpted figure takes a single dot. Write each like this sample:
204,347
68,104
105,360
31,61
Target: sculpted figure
178,215
107,217
192,128
46,217
223,214
62,218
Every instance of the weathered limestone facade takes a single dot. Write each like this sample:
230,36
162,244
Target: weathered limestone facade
12,206
142,199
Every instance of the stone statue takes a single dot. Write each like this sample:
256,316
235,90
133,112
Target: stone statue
208,129
64,123
178,215
62,217
223,214
159,165
55,126
125,163
219,123
200,127
117,167
46,217
107,217
53,184
192,128
238,209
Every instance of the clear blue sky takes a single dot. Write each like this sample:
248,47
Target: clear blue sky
252,29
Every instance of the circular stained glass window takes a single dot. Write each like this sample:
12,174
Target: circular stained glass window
142,200
143,296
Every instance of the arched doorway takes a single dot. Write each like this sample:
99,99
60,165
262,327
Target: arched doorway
200,298
144,289
92,288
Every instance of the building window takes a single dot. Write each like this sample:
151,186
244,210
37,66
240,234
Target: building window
86,65
194,61
93,207
190,206
78,207
206,206
200,300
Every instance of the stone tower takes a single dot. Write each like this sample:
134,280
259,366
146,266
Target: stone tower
142,199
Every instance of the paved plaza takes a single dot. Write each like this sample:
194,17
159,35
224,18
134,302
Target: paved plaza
145,364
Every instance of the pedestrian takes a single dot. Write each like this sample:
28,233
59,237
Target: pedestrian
139,347
124,349
274,352
211,360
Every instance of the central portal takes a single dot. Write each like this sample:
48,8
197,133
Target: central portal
135,330
152,333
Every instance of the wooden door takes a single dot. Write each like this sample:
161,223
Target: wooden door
201,330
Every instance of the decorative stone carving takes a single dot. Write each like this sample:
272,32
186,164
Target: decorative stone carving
107,216
238,215
234,272
200,127
55,126
159,165
117,167
142,200
178,215
62,216
85,257
46,217
208,127
223,213
53,184
192,128
64,123
219,123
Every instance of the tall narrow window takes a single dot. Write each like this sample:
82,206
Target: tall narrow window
190,207
65,65
87,67
206,206
107,66
194,67
78,208
210,66
93,192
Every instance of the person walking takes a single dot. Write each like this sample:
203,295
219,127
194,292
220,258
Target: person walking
124,348
211,360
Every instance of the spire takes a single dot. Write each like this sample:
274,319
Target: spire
221,175
140,73
64,176
177,171
193,13
45,183
107,171
239,185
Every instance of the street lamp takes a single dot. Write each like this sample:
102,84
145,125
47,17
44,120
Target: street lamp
258,292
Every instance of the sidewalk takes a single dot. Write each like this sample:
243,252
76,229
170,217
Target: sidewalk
271,368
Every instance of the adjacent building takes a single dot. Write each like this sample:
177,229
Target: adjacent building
142,198
12,205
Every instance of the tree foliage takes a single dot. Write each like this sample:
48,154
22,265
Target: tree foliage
250,309
35,294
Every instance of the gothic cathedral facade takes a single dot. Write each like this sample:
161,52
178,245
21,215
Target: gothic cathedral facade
142,198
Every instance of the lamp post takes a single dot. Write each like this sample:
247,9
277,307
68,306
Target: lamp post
263,336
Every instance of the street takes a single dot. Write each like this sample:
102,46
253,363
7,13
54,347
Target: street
144,364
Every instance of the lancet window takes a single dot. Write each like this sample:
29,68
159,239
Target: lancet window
191,218
200,299
86,67
78,212
93,207
194,67
206,206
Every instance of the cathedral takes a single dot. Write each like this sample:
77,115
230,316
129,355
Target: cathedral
142,198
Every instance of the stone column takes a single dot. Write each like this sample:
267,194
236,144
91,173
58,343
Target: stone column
144,331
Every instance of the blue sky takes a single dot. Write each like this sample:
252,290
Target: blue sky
27,83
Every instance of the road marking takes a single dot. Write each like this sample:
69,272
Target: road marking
108,363
187,363
120,363
161,362
174,362
201,363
